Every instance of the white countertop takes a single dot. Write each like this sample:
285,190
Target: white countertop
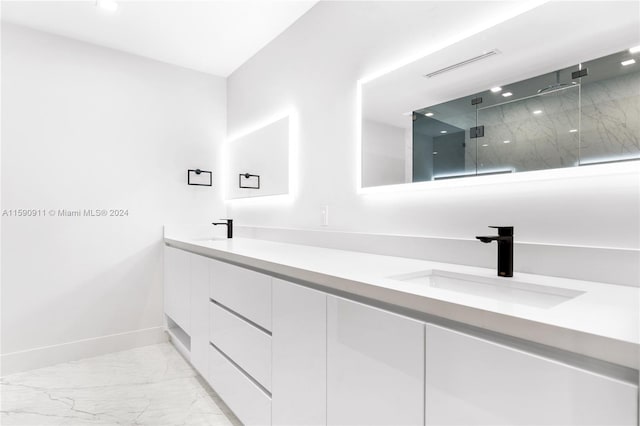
603,323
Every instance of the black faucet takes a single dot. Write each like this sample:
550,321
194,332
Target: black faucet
505,249
229,223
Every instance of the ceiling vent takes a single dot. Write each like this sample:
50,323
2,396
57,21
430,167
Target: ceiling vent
463,63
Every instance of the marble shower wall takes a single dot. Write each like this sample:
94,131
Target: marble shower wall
598,121
540,132
610,119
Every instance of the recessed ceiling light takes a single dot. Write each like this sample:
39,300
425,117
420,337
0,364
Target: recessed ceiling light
485,144
507,94
635,49
428,114
108,5
506,141
573,130
537,112
628,62
496,89
443,131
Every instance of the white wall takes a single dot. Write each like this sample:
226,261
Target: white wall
84,127
313,67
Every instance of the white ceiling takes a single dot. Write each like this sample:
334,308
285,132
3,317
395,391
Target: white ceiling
213,36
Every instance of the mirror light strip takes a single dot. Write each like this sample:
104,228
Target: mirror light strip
292,114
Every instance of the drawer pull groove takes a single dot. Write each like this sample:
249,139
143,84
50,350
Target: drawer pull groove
240,369
243,318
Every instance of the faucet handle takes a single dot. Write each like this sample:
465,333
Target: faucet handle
504,231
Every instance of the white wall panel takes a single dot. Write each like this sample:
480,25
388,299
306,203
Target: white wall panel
84,127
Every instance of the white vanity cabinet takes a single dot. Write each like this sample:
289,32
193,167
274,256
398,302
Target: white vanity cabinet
248,346
472,381
186,301
240,341
243,291
247,401
281,353
299,379
375,366
199,311
177,291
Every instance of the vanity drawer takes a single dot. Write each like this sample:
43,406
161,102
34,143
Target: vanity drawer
502,385
244,291
247,400
246,345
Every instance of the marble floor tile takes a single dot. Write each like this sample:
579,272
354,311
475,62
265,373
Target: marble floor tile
152,385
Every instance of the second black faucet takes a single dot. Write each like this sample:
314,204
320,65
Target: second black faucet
505,249
229,223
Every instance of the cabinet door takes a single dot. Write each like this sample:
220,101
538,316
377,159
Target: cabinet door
249,347
245,292
247,401
177,294
199,312
471,381
299,345
375,366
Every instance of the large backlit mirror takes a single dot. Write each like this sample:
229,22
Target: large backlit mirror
518,97
258,162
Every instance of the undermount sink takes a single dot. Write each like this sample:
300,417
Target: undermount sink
498,289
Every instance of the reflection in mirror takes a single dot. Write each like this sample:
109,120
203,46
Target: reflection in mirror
571,116
441,146
258,162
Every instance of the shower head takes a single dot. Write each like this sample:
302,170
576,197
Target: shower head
553,88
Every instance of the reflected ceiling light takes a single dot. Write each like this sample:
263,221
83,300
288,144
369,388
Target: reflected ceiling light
108,5
573,130
496,89
506,141
485,144
443,131
635,49
428,114
507,94
435,152
537,112
628,62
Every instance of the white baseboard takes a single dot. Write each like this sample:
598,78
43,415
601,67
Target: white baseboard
30,359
